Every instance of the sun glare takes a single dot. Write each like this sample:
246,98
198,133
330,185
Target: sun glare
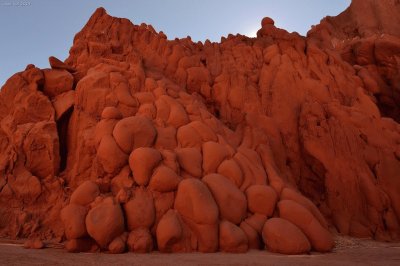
252,32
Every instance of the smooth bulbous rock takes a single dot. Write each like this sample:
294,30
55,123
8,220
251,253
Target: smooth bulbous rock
253,237
104,129
110,156
190,160
139,210
134,132
290,194
73,217
232,238
105,222
195,202
231,201
142,162
213,155
267,21
256,221
282,236
261,199
85,193
319,237
188,137
164,179
231,170
169,231
140,241
118,245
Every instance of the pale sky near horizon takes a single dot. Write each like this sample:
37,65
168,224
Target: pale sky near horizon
33,30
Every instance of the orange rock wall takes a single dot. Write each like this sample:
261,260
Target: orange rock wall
138,142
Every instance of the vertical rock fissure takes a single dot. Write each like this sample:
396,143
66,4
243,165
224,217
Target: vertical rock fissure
62,129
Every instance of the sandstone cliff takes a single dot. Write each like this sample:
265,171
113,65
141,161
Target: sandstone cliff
141,142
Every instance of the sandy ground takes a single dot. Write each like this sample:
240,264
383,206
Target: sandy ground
348,252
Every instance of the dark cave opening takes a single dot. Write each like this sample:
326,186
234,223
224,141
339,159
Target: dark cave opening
62,129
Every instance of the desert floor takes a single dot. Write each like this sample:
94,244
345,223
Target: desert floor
348,251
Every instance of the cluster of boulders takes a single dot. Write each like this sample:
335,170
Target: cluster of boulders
168,178
190,214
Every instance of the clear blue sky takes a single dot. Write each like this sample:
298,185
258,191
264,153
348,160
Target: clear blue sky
33,30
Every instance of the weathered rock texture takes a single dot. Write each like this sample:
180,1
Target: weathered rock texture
140,143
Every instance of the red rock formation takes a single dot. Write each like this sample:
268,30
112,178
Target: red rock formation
367,35
140,143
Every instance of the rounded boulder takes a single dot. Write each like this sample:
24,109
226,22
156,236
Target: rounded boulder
195,202
140,241
230,200
134,132
261,199
139,210
118,245
213,155
290,194
231,170
190,160
232,238
142,161
169,231
73,217
282,236
267,21
110,156
164,179
105,222
85,193
253,238
320,238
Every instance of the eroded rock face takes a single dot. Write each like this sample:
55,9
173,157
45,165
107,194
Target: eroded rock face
136,142
367,35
